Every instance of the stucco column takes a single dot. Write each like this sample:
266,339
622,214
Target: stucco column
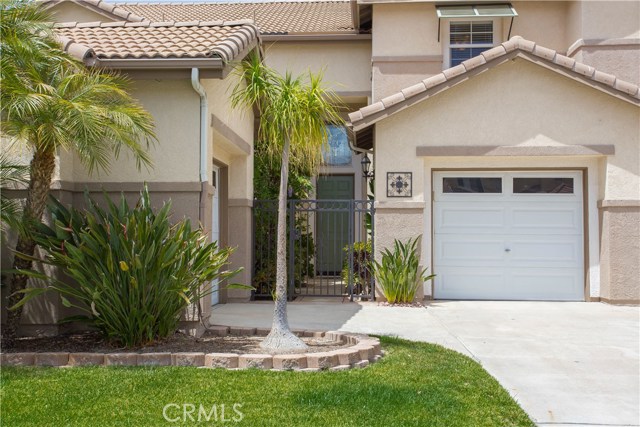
620,251
401,221
240,224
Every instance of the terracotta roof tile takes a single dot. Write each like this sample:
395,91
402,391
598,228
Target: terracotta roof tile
148,40
494,52
434,80
282,17
608,79
474,62
544,52
413,90
564,61
585,70
393,99
517,46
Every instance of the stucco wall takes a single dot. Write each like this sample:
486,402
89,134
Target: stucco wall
231,136
515,104
70,12
405,46
541,21
231,148
623,61
346,65
406,29
606,35
620,252
176,110
609,19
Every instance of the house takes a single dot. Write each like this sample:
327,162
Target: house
506,134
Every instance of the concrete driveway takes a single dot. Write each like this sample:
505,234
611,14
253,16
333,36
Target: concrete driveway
565,363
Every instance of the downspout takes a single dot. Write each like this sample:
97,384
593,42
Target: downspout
204,179
195,83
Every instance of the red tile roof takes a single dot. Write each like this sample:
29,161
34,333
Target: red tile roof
280,17
149,40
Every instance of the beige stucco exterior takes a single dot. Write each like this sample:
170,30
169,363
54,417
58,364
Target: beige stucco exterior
407,47
171,161
487,110
516,104
346,65
174,176
69,11
620,251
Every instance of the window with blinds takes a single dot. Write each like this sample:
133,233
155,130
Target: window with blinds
468,39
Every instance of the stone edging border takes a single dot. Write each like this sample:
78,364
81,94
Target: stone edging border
363,351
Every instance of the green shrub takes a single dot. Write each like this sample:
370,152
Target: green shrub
399,275
361,265
135,273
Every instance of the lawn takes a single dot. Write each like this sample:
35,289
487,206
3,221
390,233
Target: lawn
415,384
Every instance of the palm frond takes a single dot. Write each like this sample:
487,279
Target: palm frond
12,175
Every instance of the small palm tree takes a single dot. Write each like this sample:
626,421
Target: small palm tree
52,102
11,174
293,114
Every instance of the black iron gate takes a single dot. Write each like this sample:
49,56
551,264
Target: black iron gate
329,247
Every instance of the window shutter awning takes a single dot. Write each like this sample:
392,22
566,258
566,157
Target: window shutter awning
476,11
494,10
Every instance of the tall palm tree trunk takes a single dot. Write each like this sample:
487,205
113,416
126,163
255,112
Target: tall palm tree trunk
280,337
41,170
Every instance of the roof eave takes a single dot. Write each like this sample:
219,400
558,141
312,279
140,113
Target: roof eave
157,63
293,37
370,115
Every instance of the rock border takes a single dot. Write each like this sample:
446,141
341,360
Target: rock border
362,351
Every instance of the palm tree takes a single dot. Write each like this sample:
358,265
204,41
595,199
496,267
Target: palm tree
293,114
11,174
52,102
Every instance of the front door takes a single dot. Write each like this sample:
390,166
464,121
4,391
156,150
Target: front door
332,227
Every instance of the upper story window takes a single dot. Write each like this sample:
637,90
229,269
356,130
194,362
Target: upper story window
471,29
468,39
337,151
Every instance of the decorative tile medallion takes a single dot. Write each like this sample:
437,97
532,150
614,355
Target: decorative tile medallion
399,184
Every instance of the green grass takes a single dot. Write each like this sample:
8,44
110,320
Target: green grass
415,384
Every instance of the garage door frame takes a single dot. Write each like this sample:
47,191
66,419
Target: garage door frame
585,217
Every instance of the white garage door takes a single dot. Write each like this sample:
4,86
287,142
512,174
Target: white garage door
508,235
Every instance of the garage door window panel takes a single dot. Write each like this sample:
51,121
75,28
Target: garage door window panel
543,185
473,185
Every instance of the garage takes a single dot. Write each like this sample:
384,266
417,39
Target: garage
508,235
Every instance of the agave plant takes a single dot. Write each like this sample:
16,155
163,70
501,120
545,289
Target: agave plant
135,272
398,274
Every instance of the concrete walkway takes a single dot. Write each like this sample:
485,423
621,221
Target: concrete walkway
565,363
